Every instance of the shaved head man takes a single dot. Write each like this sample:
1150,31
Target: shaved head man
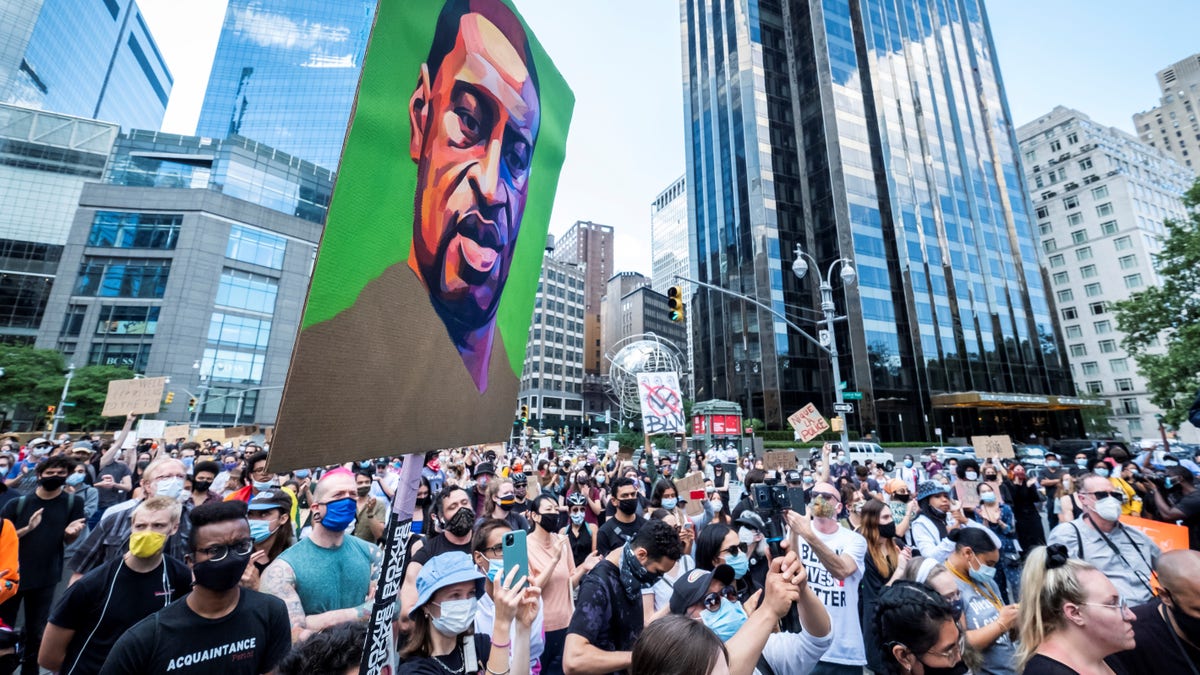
1167,629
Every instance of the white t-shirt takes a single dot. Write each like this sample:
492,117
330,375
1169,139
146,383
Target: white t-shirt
665,587
794,653
839,597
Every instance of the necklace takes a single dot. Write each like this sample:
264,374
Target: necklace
462,658
981,590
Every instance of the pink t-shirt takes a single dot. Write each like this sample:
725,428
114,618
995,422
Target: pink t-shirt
556,594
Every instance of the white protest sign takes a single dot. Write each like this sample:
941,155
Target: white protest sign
662,405
151,429
808,423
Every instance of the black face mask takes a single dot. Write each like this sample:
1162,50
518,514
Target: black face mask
221,575
549,522
902,498
958,669
887,531
1190,625
627,506
52,483
201,485
143,464
461,523
424,501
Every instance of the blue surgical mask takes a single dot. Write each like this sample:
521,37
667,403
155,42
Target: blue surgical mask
189,462
984,574
1081,463
262,485
669,504
495,569
260,530
1052,464
726,621
908,463
1103,473
577,518
75,479
808,480
740,564
987,497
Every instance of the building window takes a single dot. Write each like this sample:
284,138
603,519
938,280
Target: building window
1108,346
1095,387
1119,365
1085,164
1043,212
120,278
1088,271
1123,243
132,356
1108,227
73,321
228,365
1090,368
1069,314
1075,219
1093,290
1079,236
1133,281
1057,260
114,229
1129,406
1100,192
1049,245
1084,253
1071,202
1074,331
1045,228
230,330
1098,308
1102,327
255,247
127,320
1073,138
1066,295
1078,350
248,291
1055,146
1105,209
1061,277
1135,424
1123,384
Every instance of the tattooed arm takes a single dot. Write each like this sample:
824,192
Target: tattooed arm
279,580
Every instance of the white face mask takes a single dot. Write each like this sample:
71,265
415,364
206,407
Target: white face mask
1109,509
169,487
457,616
745,535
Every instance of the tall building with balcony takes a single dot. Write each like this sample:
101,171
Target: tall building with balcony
1100,197
1171,126
553,375
285,74
94,59
192,260
45,160
669,247
590,246
878,133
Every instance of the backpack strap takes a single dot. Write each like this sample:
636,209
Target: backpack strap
21,504
1078,540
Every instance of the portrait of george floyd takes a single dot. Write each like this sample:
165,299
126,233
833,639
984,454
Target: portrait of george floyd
418,312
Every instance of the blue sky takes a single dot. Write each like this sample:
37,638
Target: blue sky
622,58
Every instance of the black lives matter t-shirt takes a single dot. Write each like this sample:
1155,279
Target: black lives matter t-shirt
249,640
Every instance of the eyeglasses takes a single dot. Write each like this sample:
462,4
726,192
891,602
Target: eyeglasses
489,551
1119,496
954,654
712,601
733,550
218,552
1122,605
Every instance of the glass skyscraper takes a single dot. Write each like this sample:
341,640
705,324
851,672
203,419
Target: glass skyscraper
879,132
94,59
285,74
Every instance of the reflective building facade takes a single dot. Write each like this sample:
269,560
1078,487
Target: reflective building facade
878,132
285,74
93,59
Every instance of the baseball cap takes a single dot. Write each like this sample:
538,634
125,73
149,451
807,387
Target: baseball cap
691,588
792,476
38,441
82,446
271,499
444,570
484,468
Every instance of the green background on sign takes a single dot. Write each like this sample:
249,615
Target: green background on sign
369,227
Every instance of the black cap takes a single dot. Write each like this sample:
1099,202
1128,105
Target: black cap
482,468
793,476
691,588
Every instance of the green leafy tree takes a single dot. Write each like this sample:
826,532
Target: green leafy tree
89,388
33,378
1162,323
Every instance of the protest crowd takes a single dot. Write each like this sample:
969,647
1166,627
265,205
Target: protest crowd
161,556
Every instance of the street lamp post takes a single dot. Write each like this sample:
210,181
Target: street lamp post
848,275
59,413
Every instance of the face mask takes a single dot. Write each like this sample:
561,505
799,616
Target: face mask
339,514
143,464
461,523
221,575
627,506
908,463
987,497
956,605
740,564
808,480
984,574
959,669
169,487
887,531
230,465
952,468
1081,463
457,616
300,473
843,460
264,485
637,570
989,476
422,502
972,475
261,530
549,522
363,490
1109,509
507,503
901,497
1052,464
1103,473
1190,625
201,486
669,504
726,621
495,569
75,479
746,535
600,479
577,518
40,451
4,469
146,544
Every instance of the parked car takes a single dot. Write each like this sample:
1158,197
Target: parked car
860,453
1030,455
1066,449
958,452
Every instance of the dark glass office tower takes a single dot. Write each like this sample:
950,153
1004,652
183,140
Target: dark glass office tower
877,131
285,73
94,59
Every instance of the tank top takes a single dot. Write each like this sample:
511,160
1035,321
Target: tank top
330,578
581,544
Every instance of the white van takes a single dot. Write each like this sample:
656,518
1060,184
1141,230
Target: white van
860,453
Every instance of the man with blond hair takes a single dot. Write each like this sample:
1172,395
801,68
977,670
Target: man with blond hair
109,600
109,541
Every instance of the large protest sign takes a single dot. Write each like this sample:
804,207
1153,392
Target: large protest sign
151,428
996,447
419,307
136,396
684,487
1168,536
808,423
662,405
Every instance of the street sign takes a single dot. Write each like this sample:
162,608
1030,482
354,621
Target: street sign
852,395
843,407
842,385
823,337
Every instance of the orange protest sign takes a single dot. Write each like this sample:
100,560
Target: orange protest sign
1168,536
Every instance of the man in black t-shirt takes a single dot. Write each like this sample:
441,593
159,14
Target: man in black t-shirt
110,599
608,613
46,521
625,523
218,628
1186,508
458,523
1167,628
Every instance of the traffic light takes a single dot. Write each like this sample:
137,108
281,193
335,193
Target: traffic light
524,413
170,397
191,404
675,304
50,415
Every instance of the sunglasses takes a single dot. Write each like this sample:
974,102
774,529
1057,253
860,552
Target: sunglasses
827,495
712,601
1119,496
733,550
577,509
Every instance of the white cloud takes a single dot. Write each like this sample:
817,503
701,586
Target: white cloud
275,30
316,60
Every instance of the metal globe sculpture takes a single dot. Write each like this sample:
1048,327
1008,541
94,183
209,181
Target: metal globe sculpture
644,353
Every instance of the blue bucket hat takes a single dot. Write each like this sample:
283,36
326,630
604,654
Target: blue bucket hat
441,571
929,488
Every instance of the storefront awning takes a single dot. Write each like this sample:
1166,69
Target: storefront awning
987,399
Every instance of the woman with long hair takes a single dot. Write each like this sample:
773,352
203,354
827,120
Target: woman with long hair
1021,493
1071,616
998,517
666,496
422,519
988,619
918,631
501,501
1068,506
718,544
885,563
677,645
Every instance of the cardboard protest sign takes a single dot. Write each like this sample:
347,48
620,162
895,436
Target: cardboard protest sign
1168,536
151,428
545,443
779,460
614,447
419,306
662,404
964,491
996,447
176,431
136,396
683,489
808,423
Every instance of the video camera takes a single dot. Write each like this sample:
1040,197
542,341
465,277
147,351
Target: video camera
770,501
